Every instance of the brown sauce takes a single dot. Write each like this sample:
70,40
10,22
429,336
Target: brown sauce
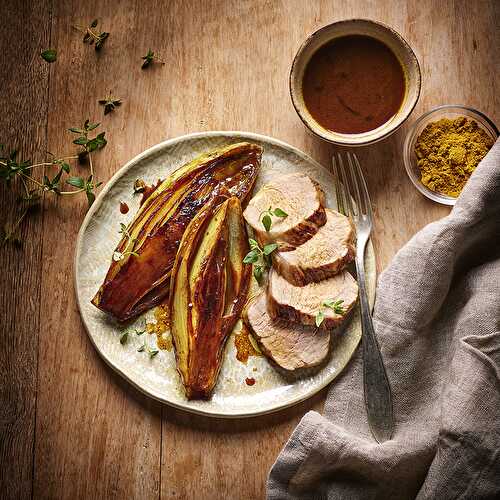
353,84
123,207
244,346
250,381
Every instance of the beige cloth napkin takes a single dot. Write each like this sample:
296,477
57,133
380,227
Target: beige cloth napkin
437,318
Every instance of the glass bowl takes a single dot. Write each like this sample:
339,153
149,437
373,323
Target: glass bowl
446,111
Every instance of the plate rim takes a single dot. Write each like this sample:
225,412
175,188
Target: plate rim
95,206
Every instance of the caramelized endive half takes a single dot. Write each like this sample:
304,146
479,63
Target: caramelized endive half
209,287
140,280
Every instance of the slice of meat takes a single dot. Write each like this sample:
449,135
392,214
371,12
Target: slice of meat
301,304
291,347
300,198
322,256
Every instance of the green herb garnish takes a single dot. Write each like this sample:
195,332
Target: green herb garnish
335,305
150,58
110,103
125,335
49,55
266,217
130,241
259,257
91,36
33,188
152,352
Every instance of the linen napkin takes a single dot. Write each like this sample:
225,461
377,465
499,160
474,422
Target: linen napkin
437,319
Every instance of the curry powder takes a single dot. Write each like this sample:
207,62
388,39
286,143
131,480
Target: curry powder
448,151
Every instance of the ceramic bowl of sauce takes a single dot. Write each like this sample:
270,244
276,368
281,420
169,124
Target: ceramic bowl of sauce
354,82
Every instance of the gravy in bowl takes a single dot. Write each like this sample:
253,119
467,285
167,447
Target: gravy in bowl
353,84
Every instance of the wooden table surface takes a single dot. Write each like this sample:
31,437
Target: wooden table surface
69,427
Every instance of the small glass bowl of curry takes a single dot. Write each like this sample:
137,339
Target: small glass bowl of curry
443,147
354,82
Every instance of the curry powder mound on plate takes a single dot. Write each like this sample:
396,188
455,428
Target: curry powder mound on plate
448,151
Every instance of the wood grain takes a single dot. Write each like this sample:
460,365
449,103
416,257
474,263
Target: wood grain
102,438
23,124
227,66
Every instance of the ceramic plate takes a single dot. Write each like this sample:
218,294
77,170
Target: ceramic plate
157,377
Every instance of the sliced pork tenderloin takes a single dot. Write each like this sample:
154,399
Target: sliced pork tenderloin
291,347
300,198
321,256
301,304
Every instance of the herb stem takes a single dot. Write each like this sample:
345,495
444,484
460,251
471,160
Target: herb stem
91,171
67,193
31,179
47,164
26,190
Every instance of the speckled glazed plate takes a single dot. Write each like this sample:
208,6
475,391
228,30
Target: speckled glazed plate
157,377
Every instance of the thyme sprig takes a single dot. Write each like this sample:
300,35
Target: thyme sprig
145,347
125,335
335,305
259,257
150,58
19,174
91,36
110,103
266,217
117,256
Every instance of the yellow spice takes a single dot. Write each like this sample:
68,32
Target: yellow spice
448,151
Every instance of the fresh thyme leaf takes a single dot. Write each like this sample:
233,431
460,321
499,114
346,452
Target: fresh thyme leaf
81,141
320,316
90,197
49,55
253,243
335,305
90,36
147,59
267,222
110,103
258,271
90,126
101,39
52,185
11,168
150,58
266,217
77,182
280,213
76,130
123,338
251,257
270,248
152,352
139,332
259,257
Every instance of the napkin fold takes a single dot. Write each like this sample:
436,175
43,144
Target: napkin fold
437,319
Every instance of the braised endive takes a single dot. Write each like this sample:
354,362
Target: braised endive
209,288
140,280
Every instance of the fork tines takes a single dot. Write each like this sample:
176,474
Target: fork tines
351,183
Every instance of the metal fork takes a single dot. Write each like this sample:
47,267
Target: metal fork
377,391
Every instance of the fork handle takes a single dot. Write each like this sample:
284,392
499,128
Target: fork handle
377,391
